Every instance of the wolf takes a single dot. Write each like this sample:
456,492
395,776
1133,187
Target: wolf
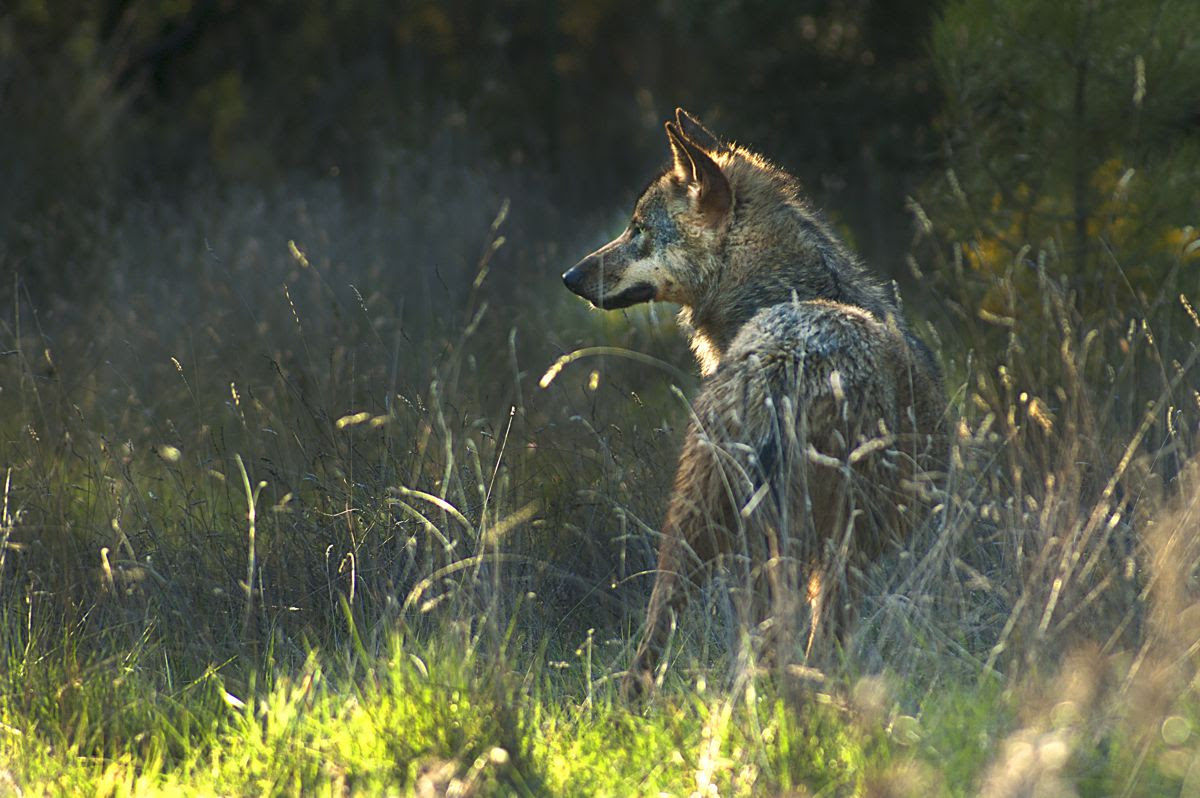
819,409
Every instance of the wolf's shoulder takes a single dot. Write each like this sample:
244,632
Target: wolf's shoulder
819,328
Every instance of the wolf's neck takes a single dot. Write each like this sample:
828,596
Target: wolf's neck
708,351
713,327
800,274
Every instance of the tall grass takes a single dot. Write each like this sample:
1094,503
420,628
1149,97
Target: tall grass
287,510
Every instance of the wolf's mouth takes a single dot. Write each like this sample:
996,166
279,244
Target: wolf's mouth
633,295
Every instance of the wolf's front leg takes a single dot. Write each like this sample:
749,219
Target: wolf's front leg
667,602
693,535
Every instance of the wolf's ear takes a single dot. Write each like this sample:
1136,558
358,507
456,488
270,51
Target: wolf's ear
683,169
699,172
698,133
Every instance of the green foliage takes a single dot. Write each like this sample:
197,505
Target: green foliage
1070,129
1063,235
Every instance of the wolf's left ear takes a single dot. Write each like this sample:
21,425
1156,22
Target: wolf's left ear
694,130
683,167
700,173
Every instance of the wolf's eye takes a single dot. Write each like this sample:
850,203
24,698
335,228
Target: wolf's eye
635,229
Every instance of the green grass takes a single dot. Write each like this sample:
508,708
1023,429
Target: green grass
426,715
286,511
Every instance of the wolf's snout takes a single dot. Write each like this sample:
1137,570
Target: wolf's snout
582,280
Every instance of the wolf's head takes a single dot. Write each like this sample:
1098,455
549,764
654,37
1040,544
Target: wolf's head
678,225
725,234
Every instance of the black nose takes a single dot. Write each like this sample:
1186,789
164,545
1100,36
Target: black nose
573,279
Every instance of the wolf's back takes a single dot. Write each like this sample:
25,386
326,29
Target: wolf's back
832,408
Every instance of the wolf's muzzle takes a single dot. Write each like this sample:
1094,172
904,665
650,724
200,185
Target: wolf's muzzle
577,281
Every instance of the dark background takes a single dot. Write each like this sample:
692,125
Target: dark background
107,100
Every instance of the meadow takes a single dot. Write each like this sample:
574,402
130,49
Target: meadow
294,503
